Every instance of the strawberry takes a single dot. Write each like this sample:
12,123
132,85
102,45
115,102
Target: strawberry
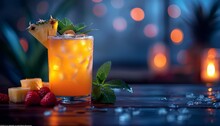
4,98
43,91
32,98
49,100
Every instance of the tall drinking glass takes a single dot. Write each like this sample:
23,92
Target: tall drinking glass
70,61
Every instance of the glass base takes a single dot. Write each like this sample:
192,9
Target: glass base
74,99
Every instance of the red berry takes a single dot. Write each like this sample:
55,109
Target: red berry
32,98
4,98
49,100
43,91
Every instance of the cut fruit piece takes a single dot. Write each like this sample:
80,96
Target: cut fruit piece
17,94
33,84
46,84
42,29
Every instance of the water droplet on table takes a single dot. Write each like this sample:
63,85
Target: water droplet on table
47,113
118,109
163,99
183,110
124,117
135,112
162,111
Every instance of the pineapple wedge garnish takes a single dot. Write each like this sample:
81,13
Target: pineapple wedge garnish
42,29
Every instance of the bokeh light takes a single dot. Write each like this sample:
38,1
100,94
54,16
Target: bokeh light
117,3
21,24
24,44
137,14
176,36
211,69
96,1
42,7
160,60
119,24
150,30
212,53
99,10
174,11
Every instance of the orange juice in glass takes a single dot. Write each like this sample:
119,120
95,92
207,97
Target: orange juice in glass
70,60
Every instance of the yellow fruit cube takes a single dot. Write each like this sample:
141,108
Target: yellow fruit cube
17,94
33,83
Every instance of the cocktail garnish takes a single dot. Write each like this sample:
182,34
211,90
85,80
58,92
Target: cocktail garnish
67,25
102,90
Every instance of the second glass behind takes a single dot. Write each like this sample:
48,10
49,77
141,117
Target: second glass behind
70,60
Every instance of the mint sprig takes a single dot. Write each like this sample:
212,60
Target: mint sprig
66,24
102,90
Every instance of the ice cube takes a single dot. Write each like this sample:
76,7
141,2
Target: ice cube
163,99
190,103
162,111
173,106
183,110
197,102
135,112
216,104
190,95
118,109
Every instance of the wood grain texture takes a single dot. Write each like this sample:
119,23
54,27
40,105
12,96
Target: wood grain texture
140,108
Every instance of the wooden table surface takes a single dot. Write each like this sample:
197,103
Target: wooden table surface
148,105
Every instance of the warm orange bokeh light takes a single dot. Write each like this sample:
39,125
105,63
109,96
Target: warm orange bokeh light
211,69
210,66
212,53
209,89
137,14
160,60
176,36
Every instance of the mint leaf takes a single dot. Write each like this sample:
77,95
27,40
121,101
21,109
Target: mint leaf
107,95
69,27
102,91
66,24
96,92
67,21
103,72
118,84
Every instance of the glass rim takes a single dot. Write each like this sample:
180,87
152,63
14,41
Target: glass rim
71,37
